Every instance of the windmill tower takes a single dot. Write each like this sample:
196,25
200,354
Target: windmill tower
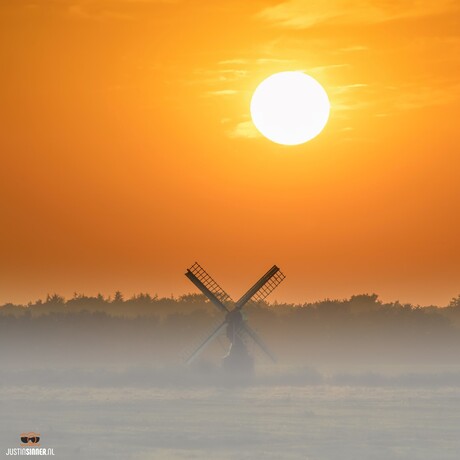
234,325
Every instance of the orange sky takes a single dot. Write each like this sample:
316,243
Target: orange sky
127,151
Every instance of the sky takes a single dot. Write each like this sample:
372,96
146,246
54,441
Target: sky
128,153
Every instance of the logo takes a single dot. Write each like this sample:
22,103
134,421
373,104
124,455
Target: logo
30,439
30,446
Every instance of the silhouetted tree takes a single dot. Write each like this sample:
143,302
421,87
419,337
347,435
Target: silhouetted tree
55,299
455,302
118,297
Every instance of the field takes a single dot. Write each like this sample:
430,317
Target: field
315,422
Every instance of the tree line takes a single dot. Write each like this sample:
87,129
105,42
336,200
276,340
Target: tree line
144,329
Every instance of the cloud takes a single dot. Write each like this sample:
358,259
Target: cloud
390,99
245,129
302,14
347,88
263,61
105,9
322,68
352,49
223,92
233,62
427,96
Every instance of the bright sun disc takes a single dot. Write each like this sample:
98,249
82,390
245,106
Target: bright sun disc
290,108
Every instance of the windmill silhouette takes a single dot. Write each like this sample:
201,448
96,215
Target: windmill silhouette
237,329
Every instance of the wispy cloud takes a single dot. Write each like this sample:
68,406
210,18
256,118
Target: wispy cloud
384,101
427,96
104,9
245,129
264,61
223,92
233,62
347,88
302,14
322,68
353,49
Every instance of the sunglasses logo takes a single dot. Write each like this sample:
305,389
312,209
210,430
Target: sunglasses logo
30,439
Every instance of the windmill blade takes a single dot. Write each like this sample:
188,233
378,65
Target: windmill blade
213,335
269,286
206,284
254,336
263,287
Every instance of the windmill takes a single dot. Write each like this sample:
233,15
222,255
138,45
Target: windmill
237,330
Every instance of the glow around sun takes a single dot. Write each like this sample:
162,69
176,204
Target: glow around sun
290,108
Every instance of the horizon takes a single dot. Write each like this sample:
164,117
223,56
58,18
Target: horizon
154,297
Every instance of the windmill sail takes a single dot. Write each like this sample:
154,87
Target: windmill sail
254,336
213,335
208,286
269,286
263,287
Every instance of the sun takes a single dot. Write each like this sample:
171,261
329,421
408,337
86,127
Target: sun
290,108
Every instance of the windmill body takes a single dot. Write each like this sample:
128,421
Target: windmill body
238,357
234,326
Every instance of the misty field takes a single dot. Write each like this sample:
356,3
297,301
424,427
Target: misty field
316,422
355,380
